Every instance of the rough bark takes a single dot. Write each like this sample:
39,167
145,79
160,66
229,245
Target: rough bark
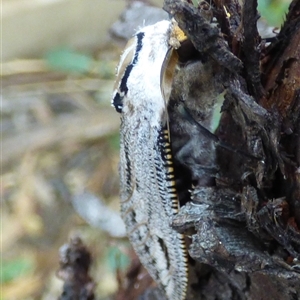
246,237
75,261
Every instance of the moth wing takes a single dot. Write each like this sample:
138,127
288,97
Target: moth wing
126,59
168,72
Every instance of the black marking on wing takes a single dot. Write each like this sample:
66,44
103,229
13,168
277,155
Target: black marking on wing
165,251
128,168
118,102
123,89
132,217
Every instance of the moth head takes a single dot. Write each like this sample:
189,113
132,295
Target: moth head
143,52
177,36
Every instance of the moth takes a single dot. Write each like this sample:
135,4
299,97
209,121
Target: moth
149,199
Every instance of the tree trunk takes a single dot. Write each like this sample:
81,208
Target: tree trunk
245,227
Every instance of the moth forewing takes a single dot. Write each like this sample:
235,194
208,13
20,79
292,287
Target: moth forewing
125,60
147,186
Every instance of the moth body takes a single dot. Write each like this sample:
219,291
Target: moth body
147,184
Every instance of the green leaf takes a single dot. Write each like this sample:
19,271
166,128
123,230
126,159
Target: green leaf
69,61
117,259
273,11
16,268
